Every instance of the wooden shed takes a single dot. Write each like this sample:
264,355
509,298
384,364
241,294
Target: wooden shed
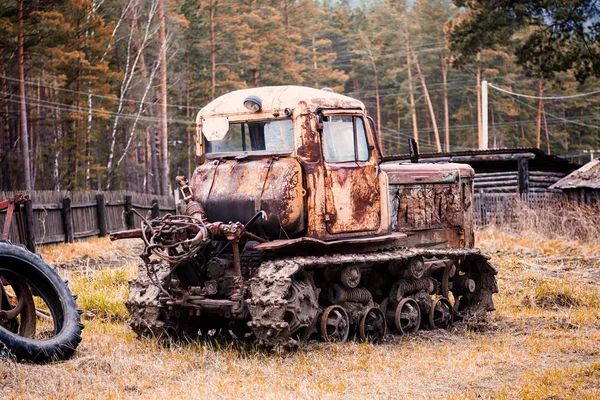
583,185
507,170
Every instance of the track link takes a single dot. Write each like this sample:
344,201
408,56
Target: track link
268,289
146,314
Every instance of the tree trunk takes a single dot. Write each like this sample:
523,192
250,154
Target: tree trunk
314,57
538,138
495,143
547,133
188,114
164,156
479,122
413,110
438,145
58,134
446,112
5,142
35,136
565,128
213,52
378,105
24,132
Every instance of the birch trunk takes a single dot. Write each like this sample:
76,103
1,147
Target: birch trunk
130,69
446,112
376,92
436,133
164,150
413,110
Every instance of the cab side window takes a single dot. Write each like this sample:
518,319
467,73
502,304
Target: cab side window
344,139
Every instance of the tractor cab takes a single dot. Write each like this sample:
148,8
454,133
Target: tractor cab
306,157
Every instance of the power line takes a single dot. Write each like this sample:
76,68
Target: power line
555,116
544,98
421,141
387,50
97,95
84,110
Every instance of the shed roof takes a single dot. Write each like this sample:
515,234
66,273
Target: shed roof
587,176
278,98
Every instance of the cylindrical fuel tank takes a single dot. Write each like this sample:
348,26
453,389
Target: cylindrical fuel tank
235,190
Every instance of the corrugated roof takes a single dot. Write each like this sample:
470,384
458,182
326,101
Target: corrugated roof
587,176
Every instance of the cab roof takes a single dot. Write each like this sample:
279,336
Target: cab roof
275,99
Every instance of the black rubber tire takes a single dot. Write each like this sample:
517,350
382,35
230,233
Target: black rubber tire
46,283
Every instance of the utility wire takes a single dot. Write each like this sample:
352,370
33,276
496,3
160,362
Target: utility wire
97,95
555,116
85,110
544,98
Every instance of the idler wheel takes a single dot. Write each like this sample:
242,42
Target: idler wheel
440,314
335,324
372,326
407,317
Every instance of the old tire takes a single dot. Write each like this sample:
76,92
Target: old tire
44,282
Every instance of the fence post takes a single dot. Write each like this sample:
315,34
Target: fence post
101,214
68,220
29,226
523,170
155,208
128,214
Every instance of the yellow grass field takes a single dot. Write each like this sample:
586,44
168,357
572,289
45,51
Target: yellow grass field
542,342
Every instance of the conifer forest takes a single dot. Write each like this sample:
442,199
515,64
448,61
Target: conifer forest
103,94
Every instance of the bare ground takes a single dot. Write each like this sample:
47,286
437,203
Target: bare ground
543,341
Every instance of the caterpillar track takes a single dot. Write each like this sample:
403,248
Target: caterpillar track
146,316
269,290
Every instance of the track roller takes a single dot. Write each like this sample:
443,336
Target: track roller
372,326
335,324
407,316
440,314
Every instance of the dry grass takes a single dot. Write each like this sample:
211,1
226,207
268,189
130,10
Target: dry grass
558,220
543,341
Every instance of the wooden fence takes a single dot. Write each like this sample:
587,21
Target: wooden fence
500,208
65,216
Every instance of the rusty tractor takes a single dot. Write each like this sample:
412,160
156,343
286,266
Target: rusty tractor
296,226
39,318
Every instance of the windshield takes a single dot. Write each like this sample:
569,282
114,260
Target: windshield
273,136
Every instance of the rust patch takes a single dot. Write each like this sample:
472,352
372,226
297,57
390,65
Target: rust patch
427,206
353,199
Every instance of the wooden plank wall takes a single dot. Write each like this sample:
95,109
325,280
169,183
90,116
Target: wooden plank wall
508,181
49,215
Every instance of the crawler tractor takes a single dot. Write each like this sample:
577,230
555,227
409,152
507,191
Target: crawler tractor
296,226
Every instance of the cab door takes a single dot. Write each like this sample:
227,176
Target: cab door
352,194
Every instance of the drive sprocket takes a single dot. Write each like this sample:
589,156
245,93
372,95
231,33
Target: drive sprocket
147,317
283,304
